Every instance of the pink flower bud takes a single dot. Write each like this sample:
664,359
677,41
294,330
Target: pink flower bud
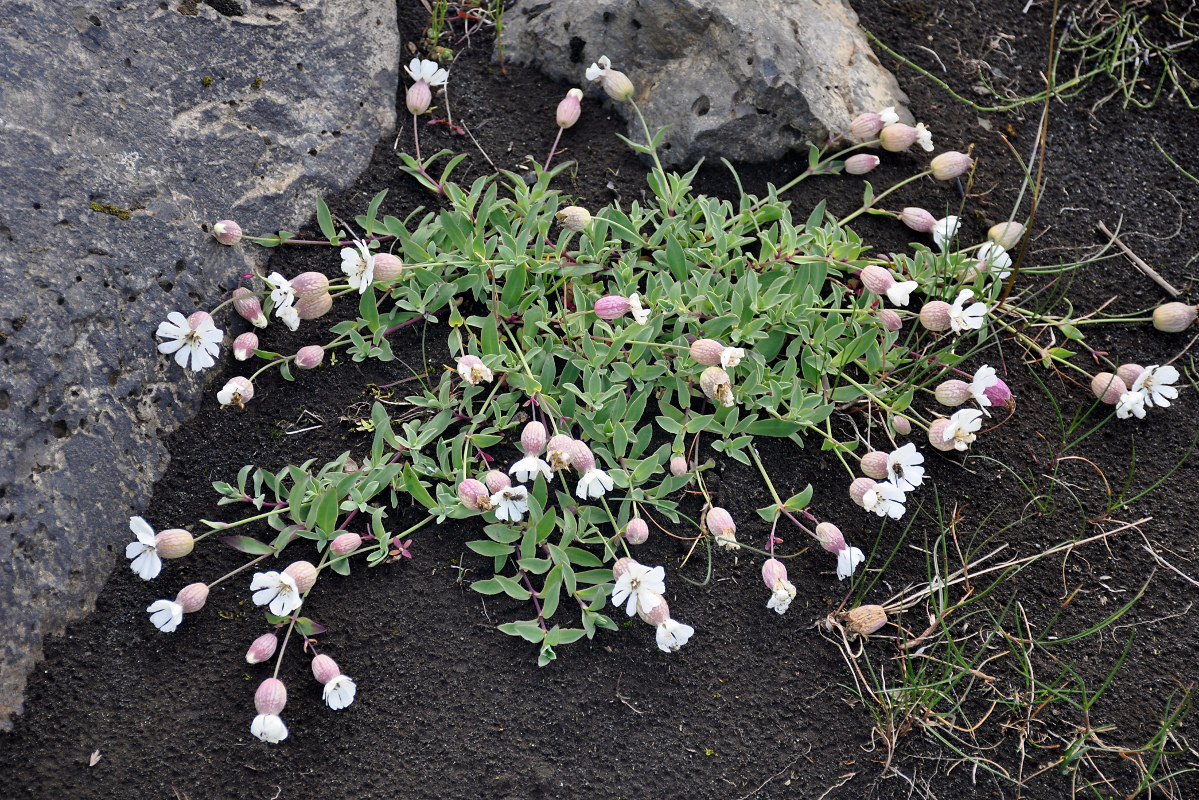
936,435
174,543
865,620
574,218
935,315
314,307
246,304
891,321
917,219
471,492
325,669
346,543
387,268
865,127
897,137
310,357
303,573
262,648
953,393
245,345
901,425
999,394
720,522
559,451
418,98
858,489
496,481
581,457
656,615
950,165
271,696
678,466
707,351
1173,317
192,597
1108,388
876,279
861,164
570,108
637,531
830,538
612,306
532,438
1006,234
774,572
874,465
227,232
622,566
309,284
1129,373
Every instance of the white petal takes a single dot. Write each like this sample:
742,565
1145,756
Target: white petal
142,530
848,560
340,692
147,565
269,728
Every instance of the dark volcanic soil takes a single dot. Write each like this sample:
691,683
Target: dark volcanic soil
756,705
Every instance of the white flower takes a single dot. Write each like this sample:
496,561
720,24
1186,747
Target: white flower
279,590
527,468
884,499
944,230
847,561
359,264
640,313
903,468
888,116
924,137
962,427
143,552
593,484
340,692
196,337
993,258
282,295
1158,385
165,615
1131,404
963,317
269,728
420,69
640,588
984,378
731,357
511,503
673,635
899,291
784,593
597,71
290,317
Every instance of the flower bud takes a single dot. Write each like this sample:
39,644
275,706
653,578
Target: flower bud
999,394
1173,317
715,384
574,218
559,451
346,543
774,572
533,438
1006,234
227,232
891,320
935,315
612,306
865,620
897,137
472,492
865,127
418,98
303,573
1129,373
656,615
917,219
246,304
876,279
309,284
387,268
678,466
1108,388
936,436
496,481
707,351
570,108
310,357
313,307
830,538
325,669
953,393
262,648
858,489
192,597
245,345
617,85
237,392
874,465
901,425
271,696
581,457
861,164
174,543
637,531
621,566
950,164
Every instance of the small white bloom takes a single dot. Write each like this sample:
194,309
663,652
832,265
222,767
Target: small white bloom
1158,385
888,116
597,71
639,588
593,484
673,635
359,264
993,258
963,317
784,593
1131,404
962,427
731,357
420,69
924,137
143,552
984,378
904,470
528,467
340,692
884,499
847,561
202,344
278,590
282,295
165,615
944,230
510,504
269,728
290,317
640,313
900,291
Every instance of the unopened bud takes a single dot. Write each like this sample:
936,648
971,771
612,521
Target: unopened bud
950,165
418,98
310,357
678,466
953,393
309,284
1173,317
936,436
876,279
861,164
891,321
935,315
999,394
271,696
303,573
174,543
262,648
774,572
570,108
612,306
533,438
858,489
707,351
245,345
897,137
346,543
901,425
325,669
1129,373
637,531
387,268
830,537
874,465
192,597
246,304
314,307
715,384
227,232
1006,234
918,219
865,620
474,495
865,127
659,613
496,481
574,218
1108,388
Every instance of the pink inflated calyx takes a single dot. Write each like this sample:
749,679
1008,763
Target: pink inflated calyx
345,543
247,305
388,268
830,537
1108,388
950,164
418,98
559,451
496,481
917,219
192,597
866,127
533,438
581,457
271,697
720,522
892,322
858,489
227,232
707,351
303,573
637,531
612,306
934,316
897,137
262,648
1129,373
999,394
310,357
678,466
473,493
876,279
656,615
569,109
245,345
952,393
621,566
309,284
174,543
874,465
774,572
324,669
314,307
936,436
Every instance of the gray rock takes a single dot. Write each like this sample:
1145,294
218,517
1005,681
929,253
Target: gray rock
125,129
746,80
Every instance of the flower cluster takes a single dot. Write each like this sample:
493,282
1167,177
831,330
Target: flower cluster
1133,388
640,589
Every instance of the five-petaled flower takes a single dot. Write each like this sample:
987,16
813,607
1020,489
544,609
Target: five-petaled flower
888,116
944,230
420,69
196,337
884,499
962,427
339,692
278,590
1131,404
963,317
640,312
1157,383
144,552
904,470
359,264
731,357
924,137
984,378
166,615
282,294
671,635
510,504
639,588
594,483
993,258
529,467
269,728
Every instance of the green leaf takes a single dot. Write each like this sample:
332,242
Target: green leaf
416,488
486,547
526,628
309,628
326,512
325,220
248,545
773,427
